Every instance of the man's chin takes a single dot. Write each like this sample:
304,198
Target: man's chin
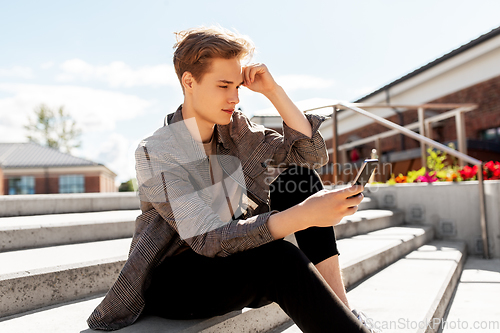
225,122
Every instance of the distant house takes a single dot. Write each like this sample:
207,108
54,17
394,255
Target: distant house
28,168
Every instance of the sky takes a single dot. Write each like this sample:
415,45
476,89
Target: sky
109,63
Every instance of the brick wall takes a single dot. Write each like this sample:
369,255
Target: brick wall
92,184
101,183
487,95
107,184
47,184
40,185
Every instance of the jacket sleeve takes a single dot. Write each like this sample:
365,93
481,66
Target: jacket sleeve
185,208
297,148
291,147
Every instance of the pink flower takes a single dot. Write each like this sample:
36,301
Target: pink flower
427,178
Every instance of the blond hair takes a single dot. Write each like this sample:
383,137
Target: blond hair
196,47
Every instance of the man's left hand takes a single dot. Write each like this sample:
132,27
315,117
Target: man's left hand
257,77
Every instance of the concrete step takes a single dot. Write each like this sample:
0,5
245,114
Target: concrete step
24,232
372,251
364,221
71,317
363,255
368,203
407,295
475,306
42,204
410,293
30,279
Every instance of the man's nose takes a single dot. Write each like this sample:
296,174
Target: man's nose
233,98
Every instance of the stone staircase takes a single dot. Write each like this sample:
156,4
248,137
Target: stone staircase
58,262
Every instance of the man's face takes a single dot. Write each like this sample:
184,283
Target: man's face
216,95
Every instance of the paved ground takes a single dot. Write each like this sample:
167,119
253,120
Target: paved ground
476,305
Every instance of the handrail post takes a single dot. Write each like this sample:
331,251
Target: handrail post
343,162
482,212
428,130
378,147
461,138
421,124
334,146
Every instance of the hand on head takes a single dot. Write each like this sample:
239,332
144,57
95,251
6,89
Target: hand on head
257,77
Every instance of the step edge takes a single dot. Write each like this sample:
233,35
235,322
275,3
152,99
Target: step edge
345,229
57,280
61,268
386,256
440,303
32,238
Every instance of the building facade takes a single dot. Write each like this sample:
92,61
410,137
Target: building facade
28,168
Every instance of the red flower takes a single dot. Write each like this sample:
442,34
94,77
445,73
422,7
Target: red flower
468,173
491,170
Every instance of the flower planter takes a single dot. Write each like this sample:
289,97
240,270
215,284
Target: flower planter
451,207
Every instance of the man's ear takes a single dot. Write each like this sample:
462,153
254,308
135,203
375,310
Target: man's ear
187,80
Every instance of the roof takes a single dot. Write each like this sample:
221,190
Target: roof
32,155
481,39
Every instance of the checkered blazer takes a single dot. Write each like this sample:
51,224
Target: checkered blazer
164,172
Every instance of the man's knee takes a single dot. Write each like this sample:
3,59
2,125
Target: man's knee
282,256
294,186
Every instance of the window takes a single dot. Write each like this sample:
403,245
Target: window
491,134
71,184
22,185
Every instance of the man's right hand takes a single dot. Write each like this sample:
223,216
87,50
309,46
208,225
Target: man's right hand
325,208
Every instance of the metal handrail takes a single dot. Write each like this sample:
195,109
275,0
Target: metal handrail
422,139
411,126
411,134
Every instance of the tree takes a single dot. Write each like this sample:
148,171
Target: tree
128,186
53,129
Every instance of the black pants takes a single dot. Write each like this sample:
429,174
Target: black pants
190,285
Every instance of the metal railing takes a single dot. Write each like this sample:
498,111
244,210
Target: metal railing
423,141
422,125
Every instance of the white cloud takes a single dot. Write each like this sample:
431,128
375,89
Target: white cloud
299,82
47,65
17,72
362,91
93,110
118,74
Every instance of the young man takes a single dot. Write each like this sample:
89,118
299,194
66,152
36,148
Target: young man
209,239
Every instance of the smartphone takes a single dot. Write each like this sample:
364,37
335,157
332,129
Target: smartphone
366,171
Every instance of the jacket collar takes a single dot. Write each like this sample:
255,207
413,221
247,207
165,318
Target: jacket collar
223,135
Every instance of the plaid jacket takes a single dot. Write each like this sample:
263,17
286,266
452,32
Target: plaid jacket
157,235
